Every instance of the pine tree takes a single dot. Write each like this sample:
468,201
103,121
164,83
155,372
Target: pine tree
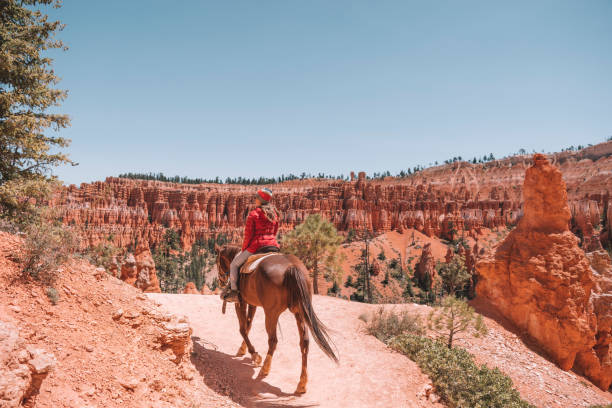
455,318
454,275
408,292
27,151
316,243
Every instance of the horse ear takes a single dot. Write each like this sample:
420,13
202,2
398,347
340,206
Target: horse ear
217,248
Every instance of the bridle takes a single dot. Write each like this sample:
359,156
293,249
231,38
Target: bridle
223,274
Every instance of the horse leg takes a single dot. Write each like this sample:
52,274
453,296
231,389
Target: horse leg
249,321
271,323
242,320
304,342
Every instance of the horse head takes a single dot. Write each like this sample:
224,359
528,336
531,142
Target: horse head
225,255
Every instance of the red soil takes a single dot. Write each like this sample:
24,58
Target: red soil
105,336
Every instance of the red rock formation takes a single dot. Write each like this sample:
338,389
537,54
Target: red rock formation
191,289
597,363
376,268
425,269
541,280
449,255
206,290
440,201
137,269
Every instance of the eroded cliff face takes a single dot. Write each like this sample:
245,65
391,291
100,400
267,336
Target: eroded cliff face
441,201
541,280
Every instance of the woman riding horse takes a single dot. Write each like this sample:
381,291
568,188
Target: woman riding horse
279,282
259,232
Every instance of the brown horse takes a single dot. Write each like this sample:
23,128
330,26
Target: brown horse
278,283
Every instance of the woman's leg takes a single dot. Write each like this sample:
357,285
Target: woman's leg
235,265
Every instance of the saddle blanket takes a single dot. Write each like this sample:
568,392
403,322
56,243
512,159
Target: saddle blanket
251,264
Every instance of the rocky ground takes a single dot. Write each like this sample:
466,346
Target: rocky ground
106,344
103,345
368,374
538,380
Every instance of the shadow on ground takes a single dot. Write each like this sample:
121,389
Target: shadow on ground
233,377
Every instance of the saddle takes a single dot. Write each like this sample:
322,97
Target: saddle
253,261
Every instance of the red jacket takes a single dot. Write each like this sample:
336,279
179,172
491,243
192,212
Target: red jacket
259,231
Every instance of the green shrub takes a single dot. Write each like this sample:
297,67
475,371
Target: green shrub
458,380
53,295
102,254
384,324
47,246
20,198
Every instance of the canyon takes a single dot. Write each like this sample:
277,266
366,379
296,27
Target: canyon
442,201
556,208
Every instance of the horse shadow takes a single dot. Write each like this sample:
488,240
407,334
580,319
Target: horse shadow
232,376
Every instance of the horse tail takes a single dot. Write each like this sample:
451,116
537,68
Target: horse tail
300,297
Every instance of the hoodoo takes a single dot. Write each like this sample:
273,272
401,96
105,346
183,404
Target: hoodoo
440,201
542,281
425,270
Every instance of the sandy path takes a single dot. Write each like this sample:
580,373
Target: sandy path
369,375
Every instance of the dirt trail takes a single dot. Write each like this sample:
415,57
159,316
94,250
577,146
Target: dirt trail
369,375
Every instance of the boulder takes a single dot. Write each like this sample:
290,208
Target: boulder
22,368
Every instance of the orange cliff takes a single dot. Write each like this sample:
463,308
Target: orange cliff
542,281
440,201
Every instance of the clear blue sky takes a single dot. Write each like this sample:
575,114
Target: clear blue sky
260,88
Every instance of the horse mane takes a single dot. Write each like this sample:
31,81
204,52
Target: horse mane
231,250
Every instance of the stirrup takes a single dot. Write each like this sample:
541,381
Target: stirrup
231,296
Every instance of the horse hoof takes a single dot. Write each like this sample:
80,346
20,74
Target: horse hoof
256,359
301,389
263,373
241,352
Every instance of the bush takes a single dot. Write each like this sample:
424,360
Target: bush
53,295
7,225
384,324
458,380
334,290
47,246
19,198
103,254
